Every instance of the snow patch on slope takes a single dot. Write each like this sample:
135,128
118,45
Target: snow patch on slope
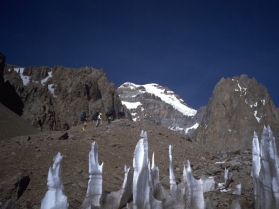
192,127
131,105
255,114
46,78
25,79
184,130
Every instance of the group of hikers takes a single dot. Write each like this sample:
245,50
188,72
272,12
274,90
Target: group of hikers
96,117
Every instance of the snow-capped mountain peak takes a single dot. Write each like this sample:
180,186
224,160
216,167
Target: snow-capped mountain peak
160,105
165,94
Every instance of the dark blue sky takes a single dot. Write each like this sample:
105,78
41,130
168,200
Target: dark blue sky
185,45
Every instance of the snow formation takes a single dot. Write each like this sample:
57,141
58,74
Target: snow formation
95,182
95,195
55,197
144,185
265,171
142,182
189,193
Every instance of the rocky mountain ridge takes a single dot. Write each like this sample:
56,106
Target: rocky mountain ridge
53,98
238,107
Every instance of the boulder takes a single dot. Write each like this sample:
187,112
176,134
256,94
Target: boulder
10,204
14,186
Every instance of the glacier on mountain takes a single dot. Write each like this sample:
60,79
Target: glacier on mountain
159,105
167,96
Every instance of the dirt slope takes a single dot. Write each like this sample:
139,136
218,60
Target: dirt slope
13,125
32,156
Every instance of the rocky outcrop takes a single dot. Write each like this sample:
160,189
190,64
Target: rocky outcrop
10,109
53,98
238,107
196,120
13,187
160,105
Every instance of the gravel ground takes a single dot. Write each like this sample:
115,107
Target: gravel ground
31,155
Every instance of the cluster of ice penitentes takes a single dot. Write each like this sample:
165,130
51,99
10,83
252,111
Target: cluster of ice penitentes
143,186
265,171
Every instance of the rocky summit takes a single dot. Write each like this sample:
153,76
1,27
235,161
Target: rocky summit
160,105
238,107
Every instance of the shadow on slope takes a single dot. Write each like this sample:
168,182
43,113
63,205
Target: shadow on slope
11,99
12,125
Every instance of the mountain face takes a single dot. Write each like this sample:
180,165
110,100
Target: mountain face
238,107
53,98
160,105
2,66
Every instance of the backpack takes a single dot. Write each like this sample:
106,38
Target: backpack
121,112
95,115
83,116
110,112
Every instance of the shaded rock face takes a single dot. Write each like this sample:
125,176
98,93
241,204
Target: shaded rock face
2,66
147,106
11,99
20,126
53,98
8,95
238,107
